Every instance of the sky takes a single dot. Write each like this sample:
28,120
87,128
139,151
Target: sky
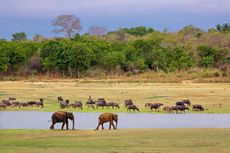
35,16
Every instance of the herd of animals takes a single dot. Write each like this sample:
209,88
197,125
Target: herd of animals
180,106
11,102
63,116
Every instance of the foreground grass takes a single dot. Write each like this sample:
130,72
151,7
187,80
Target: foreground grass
129,140
207,94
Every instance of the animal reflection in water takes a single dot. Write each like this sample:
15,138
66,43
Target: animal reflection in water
62,117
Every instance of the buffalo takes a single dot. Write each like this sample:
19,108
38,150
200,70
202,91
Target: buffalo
133,107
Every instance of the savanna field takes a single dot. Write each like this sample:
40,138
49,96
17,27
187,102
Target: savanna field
184,140
208,95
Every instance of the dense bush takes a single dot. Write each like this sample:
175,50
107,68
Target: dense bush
78,55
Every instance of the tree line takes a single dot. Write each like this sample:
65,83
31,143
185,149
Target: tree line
128,50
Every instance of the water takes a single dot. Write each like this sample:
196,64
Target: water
41,120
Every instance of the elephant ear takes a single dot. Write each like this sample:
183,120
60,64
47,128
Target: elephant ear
66,115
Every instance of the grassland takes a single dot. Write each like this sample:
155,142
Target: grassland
207,94
117,141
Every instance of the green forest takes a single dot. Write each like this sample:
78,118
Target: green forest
124,51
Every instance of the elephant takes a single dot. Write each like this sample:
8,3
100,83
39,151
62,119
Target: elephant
63,117
107,117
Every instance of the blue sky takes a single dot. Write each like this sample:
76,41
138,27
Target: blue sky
35,16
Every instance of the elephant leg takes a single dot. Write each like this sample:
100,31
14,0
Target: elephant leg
98,126
52,126
113,125
67,125
63,124
110,124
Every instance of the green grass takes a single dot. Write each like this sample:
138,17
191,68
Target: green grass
207,94
126,140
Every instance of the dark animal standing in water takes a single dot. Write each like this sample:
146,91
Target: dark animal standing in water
62,117
107,117
133,107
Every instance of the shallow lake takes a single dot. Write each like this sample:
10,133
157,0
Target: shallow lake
41,120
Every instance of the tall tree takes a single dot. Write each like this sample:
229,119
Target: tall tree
69,25
18,36
97,30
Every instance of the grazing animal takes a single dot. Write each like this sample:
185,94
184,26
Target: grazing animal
31,103
60,99
156,106
90,106
107,117
187,101
6,102
40,103
90,102
182,108
197,107
167,109
62,117
64,104
219,105
101,104
128,102
2,106
12,98
14,104
133,107
180,103
113,104
77,104
23,104
147,105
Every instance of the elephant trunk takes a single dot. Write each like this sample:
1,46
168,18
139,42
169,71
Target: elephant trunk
73,123
116,123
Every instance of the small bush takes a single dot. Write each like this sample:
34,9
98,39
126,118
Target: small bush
13,78
216,74
206,74
128,74
224,74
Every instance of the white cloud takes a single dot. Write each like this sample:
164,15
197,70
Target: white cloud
43,8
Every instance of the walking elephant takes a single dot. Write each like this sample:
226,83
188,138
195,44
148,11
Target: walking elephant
62,117
107,117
